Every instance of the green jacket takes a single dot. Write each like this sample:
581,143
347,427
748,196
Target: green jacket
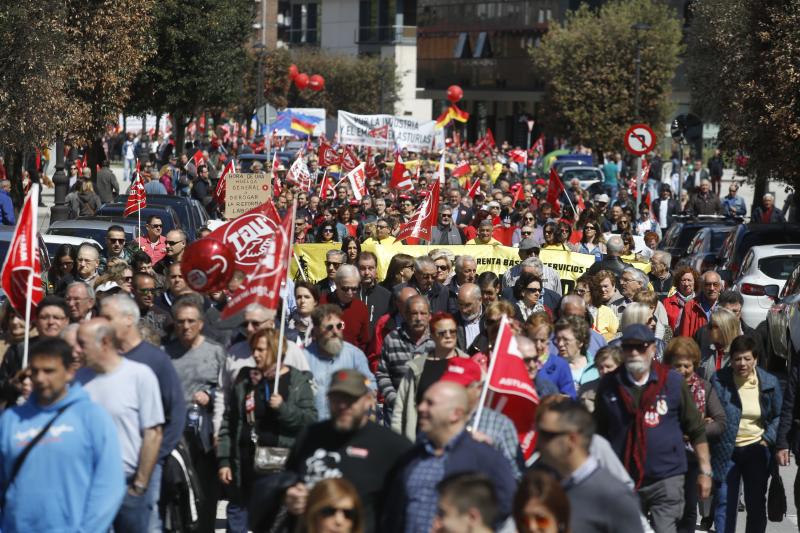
294,414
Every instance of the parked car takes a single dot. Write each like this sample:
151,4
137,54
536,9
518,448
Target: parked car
769,264
744,237
678,237
783,319
190,212
54,241
592,179
168,215
93,228
701,254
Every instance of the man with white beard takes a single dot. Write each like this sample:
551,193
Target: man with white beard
330,353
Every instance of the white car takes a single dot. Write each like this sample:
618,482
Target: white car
769,264
54,241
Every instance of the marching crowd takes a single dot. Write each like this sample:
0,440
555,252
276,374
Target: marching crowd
140,409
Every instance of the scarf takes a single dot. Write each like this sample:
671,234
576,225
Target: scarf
698,390
636,442
683,300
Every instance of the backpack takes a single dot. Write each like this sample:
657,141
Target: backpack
180,492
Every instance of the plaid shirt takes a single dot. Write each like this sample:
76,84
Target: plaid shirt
398,349
421,488
501,430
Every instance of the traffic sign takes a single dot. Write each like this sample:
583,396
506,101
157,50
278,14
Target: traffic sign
640,139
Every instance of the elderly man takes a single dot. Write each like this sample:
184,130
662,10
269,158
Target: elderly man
484,236
154,244
660,276
88,263
424,281
705,202
697,312
469,320
175,246
612,262
767,213
375,297
333,260
7,217
444,448
631,282
80,299
401,345
354,312
529,247
330,353
446,231
734,205
647,413
52,316
466,268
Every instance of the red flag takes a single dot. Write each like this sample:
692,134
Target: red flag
263,284
299,173
511,390
326,189
519,193
519,156
197,159
462,169
423,219
554,190
490,139
349,160
137,198
371,168
277,188
580,203
327,155
22,268
381,133
219,192
537,150
358,181
474,188
400,180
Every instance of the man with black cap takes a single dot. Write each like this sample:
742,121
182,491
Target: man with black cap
348,445
644,409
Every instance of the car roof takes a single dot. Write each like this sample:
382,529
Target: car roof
768,250
90,222
578,167
68,239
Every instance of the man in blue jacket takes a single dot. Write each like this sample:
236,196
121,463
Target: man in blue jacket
6,205
71,480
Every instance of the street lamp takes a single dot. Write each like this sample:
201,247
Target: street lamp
60,211
638,28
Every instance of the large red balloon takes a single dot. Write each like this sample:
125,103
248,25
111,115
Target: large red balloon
301,81
207,265
293,71
454,93
316,82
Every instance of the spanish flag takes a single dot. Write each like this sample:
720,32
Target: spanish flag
452,113
301,126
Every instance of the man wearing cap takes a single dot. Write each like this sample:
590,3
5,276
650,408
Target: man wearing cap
644,409
349,446
444,448
485,230
446,232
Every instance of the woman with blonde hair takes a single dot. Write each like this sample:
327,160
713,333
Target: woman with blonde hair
552,368
333,507
641,313
443,259
723,327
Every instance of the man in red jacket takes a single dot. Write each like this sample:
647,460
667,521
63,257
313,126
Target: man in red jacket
696,313
354,312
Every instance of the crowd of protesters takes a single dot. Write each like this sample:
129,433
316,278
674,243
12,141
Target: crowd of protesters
140,408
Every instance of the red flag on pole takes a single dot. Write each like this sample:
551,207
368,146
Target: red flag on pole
474,188
537,150
358,181
219,191
519,193
349,160
137,198
423,219
519,156
197,159
462,169
22,268
400,180
327,156
371,168
263,284
490,138
326,189
299,174
554,190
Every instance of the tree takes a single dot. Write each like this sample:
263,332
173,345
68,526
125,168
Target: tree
588,69
362,85
742,61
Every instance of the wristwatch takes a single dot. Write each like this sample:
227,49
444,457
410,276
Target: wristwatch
138,489
706,473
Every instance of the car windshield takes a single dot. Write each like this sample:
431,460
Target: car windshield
686,236
583,174
717,238
779,266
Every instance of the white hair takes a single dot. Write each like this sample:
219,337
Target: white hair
124,304
347,272
635,313
461,259
768,196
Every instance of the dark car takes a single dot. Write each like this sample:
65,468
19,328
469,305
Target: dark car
168,215
190,212
678,237
744,237
701,254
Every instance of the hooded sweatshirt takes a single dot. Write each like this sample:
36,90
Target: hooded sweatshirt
72,479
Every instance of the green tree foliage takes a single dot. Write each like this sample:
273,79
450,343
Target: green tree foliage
587,65
743,63
356,84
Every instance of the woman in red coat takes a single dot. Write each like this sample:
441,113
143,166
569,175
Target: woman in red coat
686,281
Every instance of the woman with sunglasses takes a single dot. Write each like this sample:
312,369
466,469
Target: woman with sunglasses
423,371
333,507
641,313
442,260
528,292
327,233
258,416
553,237
592,241
723,328
62,271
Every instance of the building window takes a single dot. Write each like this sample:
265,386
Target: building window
311,23
462,49
482,47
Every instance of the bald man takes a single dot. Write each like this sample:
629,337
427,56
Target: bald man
469,320
386,324
443,449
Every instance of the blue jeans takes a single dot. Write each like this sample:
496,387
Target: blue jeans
154,492
237,518
134,514
751,465
130,166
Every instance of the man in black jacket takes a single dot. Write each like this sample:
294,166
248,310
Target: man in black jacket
424,281
373,295
665,207
612,262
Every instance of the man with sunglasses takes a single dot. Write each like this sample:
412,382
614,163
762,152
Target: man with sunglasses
334,259
115,246
354,312
645,409
154,243
446,232
145,291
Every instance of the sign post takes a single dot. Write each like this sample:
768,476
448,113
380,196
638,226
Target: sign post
244,192
639,140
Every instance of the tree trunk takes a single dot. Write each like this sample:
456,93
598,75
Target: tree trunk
759,190
14,166
179,131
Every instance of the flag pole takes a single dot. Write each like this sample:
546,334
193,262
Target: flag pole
34,199
492,361
290,249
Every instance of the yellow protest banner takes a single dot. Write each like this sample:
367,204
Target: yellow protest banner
569,265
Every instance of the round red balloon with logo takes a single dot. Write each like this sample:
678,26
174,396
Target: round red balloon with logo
301,81
207,265
293,71
454,93
316,82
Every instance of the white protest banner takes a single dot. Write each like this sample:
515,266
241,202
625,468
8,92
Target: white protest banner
386,131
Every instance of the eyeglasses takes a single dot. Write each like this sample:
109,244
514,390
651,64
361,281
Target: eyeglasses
581,292
445,333
423,275
155,226
531,360
540,522
533,290
116,241
442,268
526,232
145,290
66,263
330,327
382,226
638,346
549,435
715,284
589,228
446,215
254,323
528,218
548,232
332,264
74,299
327,230
349,289
327,512
173,243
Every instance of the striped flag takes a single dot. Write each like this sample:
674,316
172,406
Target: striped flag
219,192
137,198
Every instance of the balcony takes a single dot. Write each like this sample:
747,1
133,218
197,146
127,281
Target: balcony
386,35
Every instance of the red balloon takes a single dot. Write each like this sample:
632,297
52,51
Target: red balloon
316,82
207,265
301,81
293,71
454,93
